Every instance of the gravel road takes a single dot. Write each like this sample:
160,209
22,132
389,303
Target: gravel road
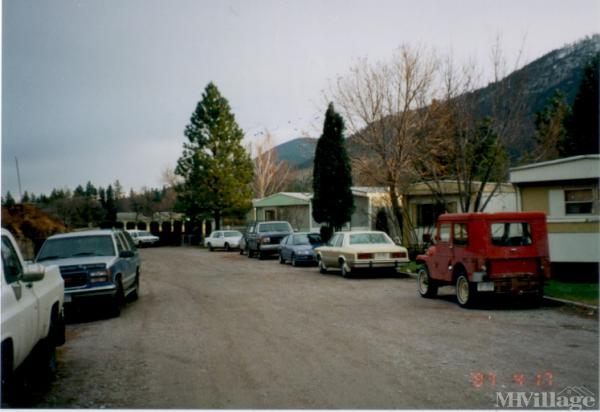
219,330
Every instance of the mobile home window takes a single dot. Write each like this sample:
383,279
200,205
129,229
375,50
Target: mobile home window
579,202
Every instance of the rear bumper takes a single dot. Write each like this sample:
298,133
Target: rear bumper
516,285
379,264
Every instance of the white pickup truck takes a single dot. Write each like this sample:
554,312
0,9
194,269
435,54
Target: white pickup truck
32,311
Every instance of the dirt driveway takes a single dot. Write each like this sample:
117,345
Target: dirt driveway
218,330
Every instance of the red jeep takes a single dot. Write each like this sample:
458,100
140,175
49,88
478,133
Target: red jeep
481,253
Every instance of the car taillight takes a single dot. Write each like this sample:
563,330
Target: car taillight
396,255
364,256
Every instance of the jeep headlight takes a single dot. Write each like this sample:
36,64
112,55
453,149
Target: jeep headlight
266,240
100,276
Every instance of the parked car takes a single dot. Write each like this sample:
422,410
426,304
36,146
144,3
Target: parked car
484,253
102,264
262,238
299,248
371,251
32,311
143,238
227,239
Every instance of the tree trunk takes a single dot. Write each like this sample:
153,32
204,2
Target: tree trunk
397,210
217,217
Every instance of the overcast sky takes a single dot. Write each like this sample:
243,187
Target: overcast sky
102,90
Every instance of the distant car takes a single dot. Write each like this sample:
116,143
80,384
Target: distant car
227,239
263,238
299,248
143,238
32,311
100,264
371,251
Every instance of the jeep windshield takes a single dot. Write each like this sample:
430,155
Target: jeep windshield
511,234
80,246
274,227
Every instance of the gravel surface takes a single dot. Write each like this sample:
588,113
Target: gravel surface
220,330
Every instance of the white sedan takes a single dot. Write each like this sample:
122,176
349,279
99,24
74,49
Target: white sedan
370,251
226,239
143,238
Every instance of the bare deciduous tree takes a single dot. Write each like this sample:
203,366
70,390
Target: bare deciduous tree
386,108
270,174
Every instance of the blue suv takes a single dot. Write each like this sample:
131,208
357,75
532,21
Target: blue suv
95,264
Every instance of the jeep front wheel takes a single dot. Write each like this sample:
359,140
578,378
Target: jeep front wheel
427,287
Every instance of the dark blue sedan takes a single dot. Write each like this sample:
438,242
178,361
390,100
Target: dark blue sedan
299,248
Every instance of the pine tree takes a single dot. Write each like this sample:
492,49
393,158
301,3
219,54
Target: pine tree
549,128
216,169
582,124
332,202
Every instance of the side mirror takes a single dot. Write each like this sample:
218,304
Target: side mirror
33,273
126,254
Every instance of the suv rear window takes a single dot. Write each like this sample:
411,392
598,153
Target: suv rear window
274,227
511,234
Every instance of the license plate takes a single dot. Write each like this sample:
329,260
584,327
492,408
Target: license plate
68,299
381,255
485,287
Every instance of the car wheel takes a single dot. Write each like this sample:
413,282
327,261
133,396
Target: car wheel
241,250
427,287
322,267
465,291
294,263
116,301
227,247
135,292
210,248
344,269
261,255
281,259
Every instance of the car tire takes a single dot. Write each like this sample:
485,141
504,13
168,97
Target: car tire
116,301
281,259
466,292
242,250
227,247
261,255
134,295
322,267
294,263
210,248
344,269
427,287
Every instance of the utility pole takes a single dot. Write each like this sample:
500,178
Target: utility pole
19,179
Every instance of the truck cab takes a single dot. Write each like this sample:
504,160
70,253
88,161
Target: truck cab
484,253
32,311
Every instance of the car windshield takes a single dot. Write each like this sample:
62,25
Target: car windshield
369,238
232,234
101,245
274,227
511,234
307,239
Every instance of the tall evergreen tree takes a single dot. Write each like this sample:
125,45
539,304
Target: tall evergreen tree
216,169
332,202
582,135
